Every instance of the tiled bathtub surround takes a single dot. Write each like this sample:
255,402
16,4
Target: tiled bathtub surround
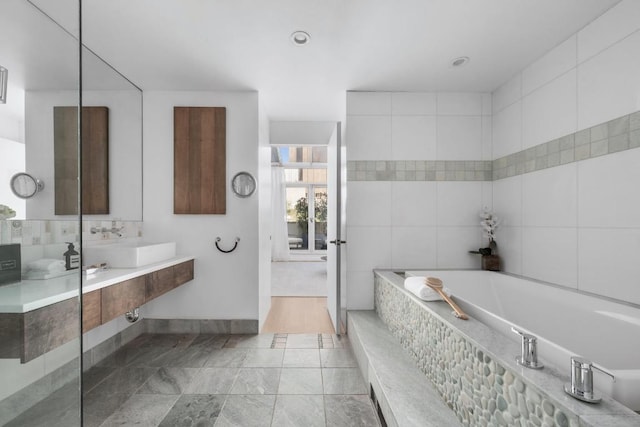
419,170
613,136
473,369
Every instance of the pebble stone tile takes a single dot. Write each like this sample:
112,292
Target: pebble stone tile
477,388
260,380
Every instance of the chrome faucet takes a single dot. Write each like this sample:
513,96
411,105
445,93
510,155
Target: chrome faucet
581,386
529,354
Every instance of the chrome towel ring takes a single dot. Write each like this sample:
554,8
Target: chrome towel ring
218,239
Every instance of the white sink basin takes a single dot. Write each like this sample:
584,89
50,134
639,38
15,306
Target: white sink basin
129,254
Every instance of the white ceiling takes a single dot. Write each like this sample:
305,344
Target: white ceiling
402,45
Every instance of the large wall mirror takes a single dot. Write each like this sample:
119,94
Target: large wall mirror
43,99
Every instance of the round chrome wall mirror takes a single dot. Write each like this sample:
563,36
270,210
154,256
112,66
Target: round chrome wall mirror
243,184
25,186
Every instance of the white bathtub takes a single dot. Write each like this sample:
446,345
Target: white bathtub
566,323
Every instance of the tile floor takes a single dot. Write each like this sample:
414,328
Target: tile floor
220,380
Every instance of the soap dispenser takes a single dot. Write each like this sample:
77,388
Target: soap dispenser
71,257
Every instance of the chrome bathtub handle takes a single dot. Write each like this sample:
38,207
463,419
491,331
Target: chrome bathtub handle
581,385
529,352
594,366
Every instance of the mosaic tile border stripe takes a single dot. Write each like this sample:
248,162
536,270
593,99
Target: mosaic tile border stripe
620,134
419,170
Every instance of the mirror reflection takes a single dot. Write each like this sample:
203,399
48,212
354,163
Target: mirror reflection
42,79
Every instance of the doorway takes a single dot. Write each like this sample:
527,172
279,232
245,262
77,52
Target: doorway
299,271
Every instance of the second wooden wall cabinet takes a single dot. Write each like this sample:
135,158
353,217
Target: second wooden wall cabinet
199,170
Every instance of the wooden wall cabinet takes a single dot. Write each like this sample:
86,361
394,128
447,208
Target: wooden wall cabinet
95,160
199,160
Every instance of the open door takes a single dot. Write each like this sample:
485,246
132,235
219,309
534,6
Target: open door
336,177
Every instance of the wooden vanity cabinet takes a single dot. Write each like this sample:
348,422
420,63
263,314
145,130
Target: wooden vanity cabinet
184,272
162,281
122,297
91,310
34,333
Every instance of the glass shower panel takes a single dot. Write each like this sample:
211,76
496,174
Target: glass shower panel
40,332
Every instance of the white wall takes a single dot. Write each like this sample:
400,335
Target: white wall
11,162
413,224
125,155
264,201
576,225
225,285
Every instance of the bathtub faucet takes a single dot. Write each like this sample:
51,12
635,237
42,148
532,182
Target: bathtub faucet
529,354
113,230
581,386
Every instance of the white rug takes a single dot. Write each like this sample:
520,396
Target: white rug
299,279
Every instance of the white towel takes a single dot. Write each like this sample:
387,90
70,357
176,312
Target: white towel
47,265
416,286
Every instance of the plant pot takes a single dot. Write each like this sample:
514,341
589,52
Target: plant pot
491,262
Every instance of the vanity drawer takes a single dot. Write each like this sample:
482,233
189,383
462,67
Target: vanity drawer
91,310
159,282
122,297
184,272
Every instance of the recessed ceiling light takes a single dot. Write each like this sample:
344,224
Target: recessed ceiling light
300,38
459,62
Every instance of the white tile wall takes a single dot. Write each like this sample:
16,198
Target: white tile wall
507,94
550,111
487,104
555,63
487,138
608,29
459,138
413,137
576,225
369,137
454,244
609,83
549,197
608,260
507,130
368,203
368,103
459,203
368,248
397,224
550,254
414,203
414,247
507,201
360,290
509,241
608,194
460,104
410,103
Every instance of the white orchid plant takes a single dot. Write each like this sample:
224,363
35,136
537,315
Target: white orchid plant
489,223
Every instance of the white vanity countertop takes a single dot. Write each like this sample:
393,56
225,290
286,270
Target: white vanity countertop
29,295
